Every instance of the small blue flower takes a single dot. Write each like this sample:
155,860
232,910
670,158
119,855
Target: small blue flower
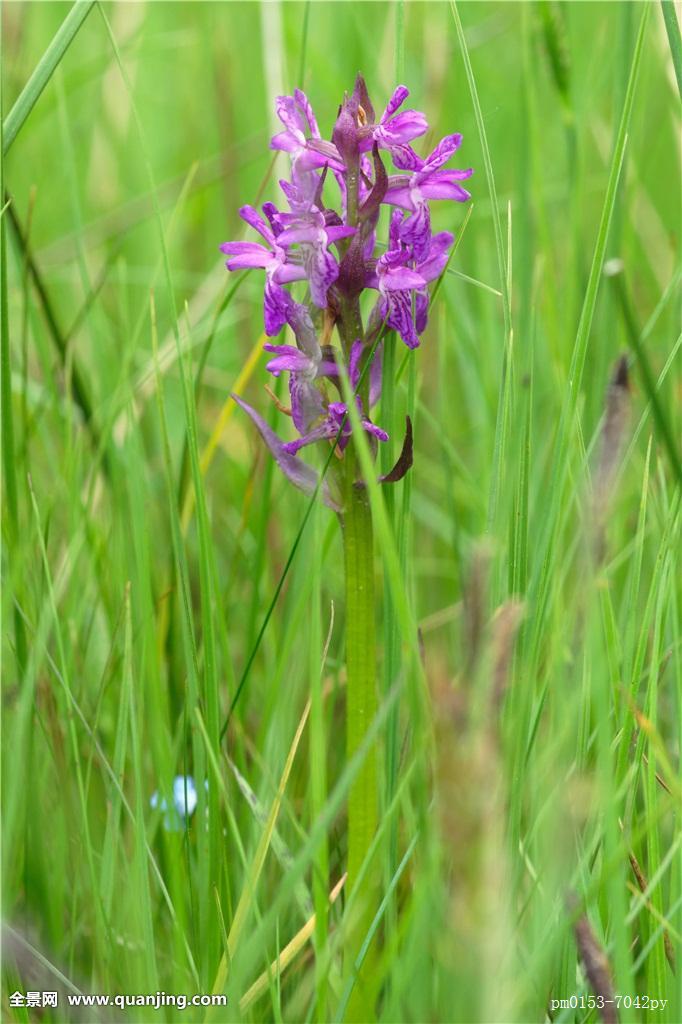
185,801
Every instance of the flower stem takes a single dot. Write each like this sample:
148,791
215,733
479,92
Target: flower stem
361,670
361,703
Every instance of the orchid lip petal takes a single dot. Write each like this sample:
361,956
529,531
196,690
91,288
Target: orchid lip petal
301,475
401,279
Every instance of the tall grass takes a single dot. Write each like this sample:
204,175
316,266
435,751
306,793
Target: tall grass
171,607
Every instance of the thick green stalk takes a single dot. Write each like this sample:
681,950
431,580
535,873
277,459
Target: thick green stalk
361,709
361,696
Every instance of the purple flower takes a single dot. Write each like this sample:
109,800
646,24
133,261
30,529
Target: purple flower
398,277
394,130
301,139
309,231
336,420
431,268
397,284
332,247
426,181
273,258
355,370
302,476
305,365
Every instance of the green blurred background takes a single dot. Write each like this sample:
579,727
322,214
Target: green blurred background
507,817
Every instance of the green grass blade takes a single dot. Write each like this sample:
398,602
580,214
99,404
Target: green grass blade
41,76
673,30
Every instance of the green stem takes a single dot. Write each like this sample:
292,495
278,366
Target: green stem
361,696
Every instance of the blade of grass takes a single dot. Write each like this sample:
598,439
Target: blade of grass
504,269
650,387
288,954
673,30
9,454
350,984
488,165
243,907
44,70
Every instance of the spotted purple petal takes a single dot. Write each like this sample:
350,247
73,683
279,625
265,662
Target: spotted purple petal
246,255
399,96
302,325
416,230
275,306
306,402
396,309
443,151
321,270
287,359
421,311
401,278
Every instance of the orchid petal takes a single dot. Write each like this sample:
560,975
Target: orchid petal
254,219
416,230
304,105
399,96
322,270
396,309
445,190
443,151
296,471
421,311
275,307
400,279
306,403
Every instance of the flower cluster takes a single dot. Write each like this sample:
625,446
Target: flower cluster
334,251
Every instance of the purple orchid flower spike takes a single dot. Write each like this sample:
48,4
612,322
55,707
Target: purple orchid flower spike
331,251
426,181
333,255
